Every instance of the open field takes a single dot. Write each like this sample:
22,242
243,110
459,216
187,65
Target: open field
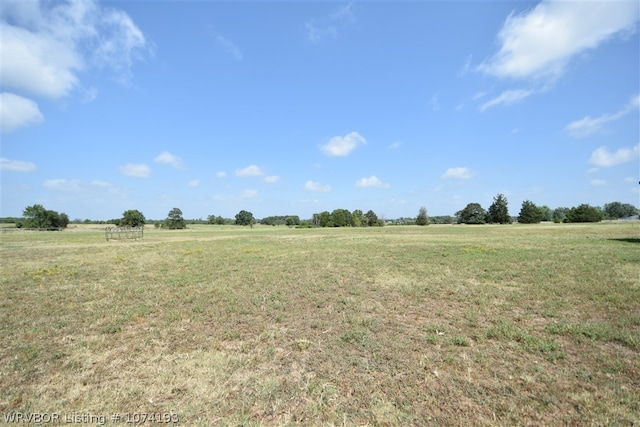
224,325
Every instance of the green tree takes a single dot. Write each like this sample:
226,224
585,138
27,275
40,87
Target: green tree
132,218
473,213
245,218
372,218
585,213
548,213
175,220
35,217
422,218
498,212
357,218
64,220
341,218
216,220
616,210
560,214
530,213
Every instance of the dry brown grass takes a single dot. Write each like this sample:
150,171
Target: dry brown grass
443,325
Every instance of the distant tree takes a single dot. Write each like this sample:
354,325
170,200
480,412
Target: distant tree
35,217
530,213
58,220
290,222
324,219
245,218
473,213
560,214
498,212
422,218
175,220
341,218
132,218
357,218
547,213
585,213
372,218
616,210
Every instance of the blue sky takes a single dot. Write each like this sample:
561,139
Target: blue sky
289,107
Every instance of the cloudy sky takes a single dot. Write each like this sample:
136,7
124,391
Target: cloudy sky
298,107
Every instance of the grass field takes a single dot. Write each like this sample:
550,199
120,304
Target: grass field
222,325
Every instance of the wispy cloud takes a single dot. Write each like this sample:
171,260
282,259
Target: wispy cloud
319,30
372,181
540,43
194,183
458,173
598,182
395,145
316,186
17,111
229,46
70,185
271,179
604,158
169,159
221,174
135,170
507,97
340,146
16,165
588,125
251,170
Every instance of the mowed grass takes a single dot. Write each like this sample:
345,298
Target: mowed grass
438,325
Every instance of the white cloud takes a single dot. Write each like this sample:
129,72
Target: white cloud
631,179
229,46
539,43
458,173
251,170
194,183
587,125
135,170
72,185
603,158
271,179
598,182
507,97
395,145
340,146
16,165
167,158
46,44
372,181
101,184
221,174
316,186
17,111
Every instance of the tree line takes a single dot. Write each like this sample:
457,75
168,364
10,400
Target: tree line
37,216
530,213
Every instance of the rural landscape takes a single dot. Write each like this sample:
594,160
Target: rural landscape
522,324
320,213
